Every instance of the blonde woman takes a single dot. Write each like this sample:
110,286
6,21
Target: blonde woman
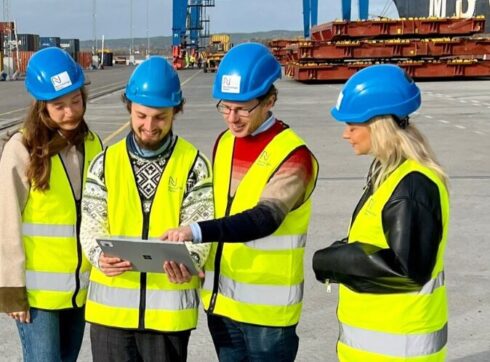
392,295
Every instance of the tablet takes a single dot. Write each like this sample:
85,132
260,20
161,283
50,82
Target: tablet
147,255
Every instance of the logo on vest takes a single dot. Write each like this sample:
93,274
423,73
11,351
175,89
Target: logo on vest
173,185
263,160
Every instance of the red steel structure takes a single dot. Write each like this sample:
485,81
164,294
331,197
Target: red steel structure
390,48
278,48
443,69
424,47
378,28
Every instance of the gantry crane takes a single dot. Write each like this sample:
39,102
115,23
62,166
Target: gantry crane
190,25
310,13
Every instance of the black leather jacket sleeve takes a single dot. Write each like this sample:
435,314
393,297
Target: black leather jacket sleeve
412,224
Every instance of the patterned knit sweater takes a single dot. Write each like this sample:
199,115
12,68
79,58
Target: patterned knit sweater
197,204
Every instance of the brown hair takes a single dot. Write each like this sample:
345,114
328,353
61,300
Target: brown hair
272,92
41,138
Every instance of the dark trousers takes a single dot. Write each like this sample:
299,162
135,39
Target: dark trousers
121,345
243,342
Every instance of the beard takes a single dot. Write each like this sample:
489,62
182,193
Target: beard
150,144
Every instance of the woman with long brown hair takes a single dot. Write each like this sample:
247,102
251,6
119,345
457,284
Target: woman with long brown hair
43,272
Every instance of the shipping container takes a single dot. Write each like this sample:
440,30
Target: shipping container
28,42
85,59
71,46
37,42
107,61
6,27
22,60
49,41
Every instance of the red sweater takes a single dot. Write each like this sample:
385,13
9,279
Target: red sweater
284,191
247,150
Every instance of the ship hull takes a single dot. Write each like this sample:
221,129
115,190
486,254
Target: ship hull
444,8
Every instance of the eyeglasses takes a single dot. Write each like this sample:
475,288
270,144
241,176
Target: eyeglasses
223,109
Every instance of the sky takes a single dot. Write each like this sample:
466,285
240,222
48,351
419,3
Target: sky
75,18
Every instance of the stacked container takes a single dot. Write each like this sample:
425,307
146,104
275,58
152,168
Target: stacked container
49,41
6,27
21,58
27,42
85,59
71,46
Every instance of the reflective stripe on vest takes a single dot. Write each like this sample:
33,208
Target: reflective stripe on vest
115,301
416,320
61,282
56,269
433,284
278,242
60,231
273,295
260,281
395,345
173,300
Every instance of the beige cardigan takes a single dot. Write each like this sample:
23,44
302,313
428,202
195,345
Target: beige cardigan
14,191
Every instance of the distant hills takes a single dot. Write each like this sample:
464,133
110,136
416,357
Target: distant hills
162,44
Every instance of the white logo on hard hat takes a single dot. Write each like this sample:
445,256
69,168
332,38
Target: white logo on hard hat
61,81
230,83
339,100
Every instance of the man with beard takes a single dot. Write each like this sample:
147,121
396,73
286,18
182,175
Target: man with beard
149,181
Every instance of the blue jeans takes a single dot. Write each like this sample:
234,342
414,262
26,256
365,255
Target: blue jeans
242,342
52,335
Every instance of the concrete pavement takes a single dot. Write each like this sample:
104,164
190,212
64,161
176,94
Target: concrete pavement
454,117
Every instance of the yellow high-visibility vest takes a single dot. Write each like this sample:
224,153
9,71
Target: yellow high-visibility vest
57,271
260,281
398,326
136,300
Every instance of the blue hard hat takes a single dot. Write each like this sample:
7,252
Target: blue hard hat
246,72
52,73
154,83
377,90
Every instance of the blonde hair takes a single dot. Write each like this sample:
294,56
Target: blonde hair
391,145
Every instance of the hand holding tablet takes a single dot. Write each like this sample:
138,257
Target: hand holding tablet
148,255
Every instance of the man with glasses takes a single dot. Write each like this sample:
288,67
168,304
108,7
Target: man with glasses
264,176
